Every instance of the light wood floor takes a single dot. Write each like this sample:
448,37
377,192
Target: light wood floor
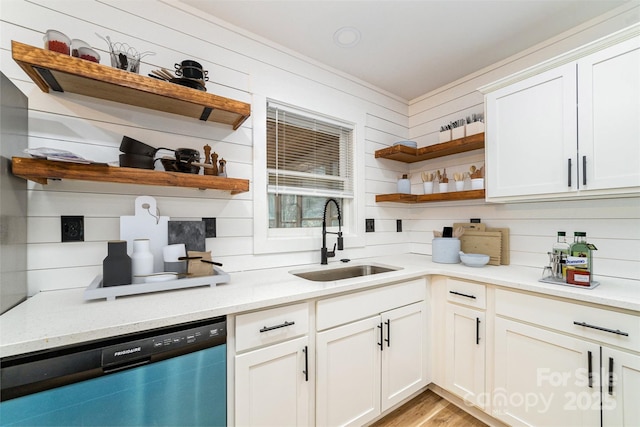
428,410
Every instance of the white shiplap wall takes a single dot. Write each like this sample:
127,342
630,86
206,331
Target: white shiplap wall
613,225
240,67
248,69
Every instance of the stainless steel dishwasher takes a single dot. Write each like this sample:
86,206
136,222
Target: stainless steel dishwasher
173,376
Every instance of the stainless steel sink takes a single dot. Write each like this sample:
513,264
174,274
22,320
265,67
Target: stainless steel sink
330,275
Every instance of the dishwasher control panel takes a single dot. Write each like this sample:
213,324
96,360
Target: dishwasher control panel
181,340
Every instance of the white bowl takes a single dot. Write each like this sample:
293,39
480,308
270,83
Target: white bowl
474,260
161,277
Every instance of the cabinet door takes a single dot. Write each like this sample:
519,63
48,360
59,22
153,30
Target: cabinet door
348,373
271,385
541,378
465,353
404,353
609,117
531,135
620,388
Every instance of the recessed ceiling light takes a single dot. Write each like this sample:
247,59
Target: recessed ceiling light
347,37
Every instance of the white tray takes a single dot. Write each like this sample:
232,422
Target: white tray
110,293
560,282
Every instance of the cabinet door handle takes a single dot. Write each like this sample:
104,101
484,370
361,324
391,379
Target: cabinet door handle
381,337
388,339
600,328
282,325
611,376
477,330
590,367
306,363
569,174
463,295
584,170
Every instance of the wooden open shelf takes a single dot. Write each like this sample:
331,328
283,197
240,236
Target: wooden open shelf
424,198
406,154
63,73
40,171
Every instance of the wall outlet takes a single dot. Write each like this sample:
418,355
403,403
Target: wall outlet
209,227
398,225
474,220
72,228
369,225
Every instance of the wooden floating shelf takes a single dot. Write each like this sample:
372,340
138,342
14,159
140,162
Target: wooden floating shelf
406,154
40,171
425,198
63,73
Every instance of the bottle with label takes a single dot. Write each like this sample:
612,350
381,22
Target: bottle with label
580,260
560,252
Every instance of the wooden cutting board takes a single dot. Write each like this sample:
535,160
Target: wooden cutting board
483,242
470,226
505,258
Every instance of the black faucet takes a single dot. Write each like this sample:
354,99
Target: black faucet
324,253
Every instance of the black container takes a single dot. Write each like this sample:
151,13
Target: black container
116,267
133,146
136,161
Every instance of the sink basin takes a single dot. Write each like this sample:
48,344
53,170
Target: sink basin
330,275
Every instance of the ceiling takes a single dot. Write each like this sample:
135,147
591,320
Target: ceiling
407,47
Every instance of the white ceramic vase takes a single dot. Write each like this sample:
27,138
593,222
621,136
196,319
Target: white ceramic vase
428,187
141,260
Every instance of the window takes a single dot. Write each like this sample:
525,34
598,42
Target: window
309,159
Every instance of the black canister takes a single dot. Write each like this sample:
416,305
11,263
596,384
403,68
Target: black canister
116,267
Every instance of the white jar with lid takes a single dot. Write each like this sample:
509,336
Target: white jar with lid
141,260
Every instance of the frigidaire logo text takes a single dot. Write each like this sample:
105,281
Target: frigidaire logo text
127,351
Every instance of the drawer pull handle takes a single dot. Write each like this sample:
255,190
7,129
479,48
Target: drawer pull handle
477,331
590,366
584,170
611,376
600,328
306,363
569,173
282,325
463,295
381,343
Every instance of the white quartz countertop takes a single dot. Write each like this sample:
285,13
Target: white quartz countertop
60,318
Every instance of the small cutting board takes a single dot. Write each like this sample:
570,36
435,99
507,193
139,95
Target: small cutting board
505,257
483,242
146,224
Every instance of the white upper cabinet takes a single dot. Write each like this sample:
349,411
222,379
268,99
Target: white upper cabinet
609,117
531,133
567,130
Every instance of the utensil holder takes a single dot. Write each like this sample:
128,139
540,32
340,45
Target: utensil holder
445,135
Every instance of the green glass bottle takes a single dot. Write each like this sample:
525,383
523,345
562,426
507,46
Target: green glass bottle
580,252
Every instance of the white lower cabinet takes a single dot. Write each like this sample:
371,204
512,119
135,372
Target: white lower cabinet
369,365
559,363
620,388
272,386
272,375
541,378
465,354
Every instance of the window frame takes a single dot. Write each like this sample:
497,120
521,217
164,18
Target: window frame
282,240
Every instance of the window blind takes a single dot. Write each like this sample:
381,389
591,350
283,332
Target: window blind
308,155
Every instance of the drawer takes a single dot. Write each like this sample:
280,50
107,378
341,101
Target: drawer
471,294
348,308
271,326
598,324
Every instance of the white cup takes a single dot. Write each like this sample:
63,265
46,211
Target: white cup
444,187
428,187
459,185
477,183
